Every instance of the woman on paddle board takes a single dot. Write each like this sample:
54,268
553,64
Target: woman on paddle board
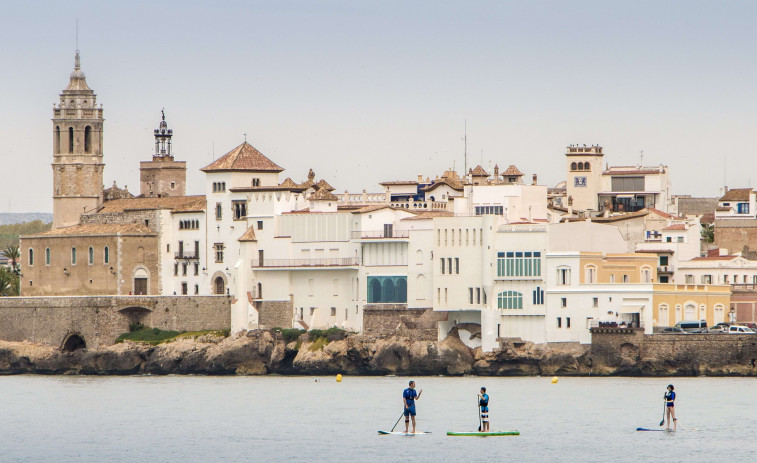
670,403
483,403
409,396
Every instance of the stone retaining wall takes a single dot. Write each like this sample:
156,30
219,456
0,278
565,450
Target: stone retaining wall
398,320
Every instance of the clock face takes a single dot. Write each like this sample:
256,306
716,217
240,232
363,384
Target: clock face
579,181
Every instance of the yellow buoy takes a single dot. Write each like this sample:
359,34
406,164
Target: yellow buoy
339,378
554,380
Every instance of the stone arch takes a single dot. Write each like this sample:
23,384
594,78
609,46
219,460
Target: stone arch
73,341
135,315
140,281
388,291
401,290
218,283
375,290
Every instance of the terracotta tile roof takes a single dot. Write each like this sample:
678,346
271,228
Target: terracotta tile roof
91,229
430,215
324,184
323,195
243,158
512,171
173,203
288,183
660,213
678,226
479,172
707,219
450,182
723,208
399,182
616,218
737,194
248,236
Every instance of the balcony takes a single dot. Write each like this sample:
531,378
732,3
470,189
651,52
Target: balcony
186,255
379,234
664,269
308,263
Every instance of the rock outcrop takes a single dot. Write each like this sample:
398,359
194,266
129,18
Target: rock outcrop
265,352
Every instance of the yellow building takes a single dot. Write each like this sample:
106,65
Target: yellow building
673,303
617,268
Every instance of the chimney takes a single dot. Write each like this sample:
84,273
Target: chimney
420,178
533,180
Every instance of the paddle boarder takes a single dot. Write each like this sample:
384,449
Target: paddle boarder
483,403
670,403
409,396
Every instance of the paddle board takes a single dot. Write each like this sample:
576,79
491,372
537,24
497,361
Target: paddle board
398,433
487,433
653,430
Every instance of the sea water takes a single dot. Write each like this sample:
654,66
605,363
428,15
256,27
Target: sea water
275,418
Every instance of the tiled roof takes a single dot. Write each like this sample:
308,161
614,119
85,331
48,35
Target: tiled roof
399,182
173,203
324,184
737,194
98,229
243,158
288,183
678,226
707,219
322,195
660,213
616,218
723,208
430,215
248,236
450,182
512,171
479,172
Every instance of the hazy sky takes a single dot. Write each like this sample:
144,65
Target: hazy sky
368,91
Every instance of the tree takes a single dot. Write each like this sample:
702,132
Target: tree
9,283
708,232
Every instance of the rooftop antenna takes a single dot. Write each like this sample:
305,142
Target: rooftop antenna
245,137
641,160
465,146
77,35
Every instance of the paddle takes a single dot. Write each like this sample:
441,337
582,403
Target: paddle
478,405
398,420
663,413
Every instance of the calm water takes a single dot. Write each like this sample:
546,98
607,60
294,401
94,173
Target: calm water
297,419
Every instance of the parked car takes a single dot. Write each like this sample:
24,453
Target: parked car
751,325
693,326
724,325
674,330
738,329
717,329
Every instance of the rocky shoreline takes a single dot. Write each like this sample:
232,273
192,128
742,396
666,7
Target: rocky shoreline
264,352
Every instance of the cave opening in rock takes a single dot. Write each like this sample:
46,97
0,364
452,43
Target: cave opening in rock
74,342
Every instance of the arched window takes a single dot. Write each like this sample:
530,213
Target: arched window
73,256
563,276
646,274
573,166
586,166
57,139
91,256
87,139
31,256
181,225
510,300
664,315
70,140
106,255
387,290
590,273
47,256
580,166
689,312
220,286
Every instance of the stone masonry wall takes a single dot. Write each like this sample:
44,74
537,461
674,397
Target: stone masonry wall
275,314
397,319
101,319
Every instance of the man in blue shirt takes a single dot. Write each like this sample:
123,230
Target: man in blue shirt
483,403
409,396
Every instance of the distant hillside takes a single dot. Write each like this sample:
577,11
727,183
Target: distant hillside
7,218
9,233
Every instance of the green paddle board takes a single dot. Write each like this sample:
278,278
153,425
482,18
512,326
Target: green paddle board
489,433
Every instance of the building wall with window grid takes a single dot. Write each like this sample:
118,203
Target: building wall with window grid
490,210
510,300
519,264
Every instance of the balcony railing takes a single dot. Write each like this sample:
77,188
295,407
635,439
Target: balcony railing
186,255
744,287
335,262
664,269
378,234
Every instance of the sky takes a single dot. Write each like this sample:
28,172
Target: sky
370,91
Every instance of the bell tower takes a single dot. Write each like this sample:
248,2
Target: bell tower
163,176
77,151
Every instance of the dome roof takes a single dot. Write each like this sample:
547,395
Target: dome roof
77,81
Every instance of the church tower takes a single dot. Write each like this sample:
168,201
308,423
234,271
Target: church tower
162,176
77,151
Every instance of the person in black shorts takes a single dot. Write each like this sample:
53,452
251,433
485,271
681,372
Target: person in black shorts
409,396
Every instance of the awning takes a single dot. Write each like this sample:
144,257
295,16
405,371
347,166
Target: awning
625,196
631,308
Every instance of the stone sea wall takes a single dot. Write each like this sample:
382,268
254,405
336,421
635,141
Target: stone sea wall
264,352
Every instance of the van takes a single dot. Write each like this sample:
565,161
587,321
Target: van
693,326
737,329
